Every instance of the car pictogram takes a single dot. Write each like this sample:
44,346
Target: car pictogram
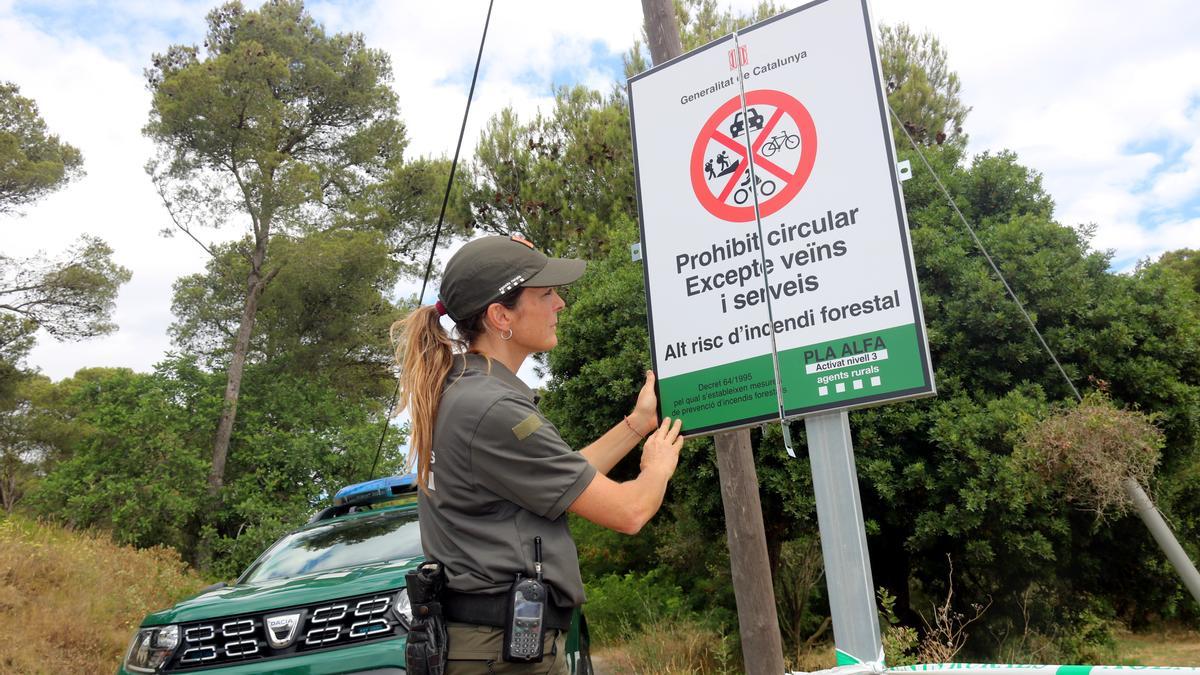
739,124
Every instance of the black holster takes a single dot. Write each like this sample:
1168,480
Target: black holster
427,648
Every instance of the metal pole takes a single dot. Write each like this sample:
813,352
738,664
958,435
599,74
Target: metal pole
1162,534
843,539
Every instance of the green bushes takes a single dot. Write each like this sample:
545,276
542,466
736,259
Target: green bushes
138,464
619,606
646,615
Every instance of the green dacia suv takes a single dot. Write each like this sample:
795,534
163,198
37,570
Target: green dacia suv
327,598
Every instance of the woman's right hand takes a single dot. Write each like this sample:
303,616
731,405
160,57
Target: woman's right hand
661,451
626,507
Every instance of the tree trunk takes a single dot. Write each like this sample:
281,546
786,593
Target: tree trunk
662,30
10,466
8,492
758,620
255,283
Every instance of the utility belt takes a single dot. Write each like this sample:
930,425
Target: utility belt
434,605
484,609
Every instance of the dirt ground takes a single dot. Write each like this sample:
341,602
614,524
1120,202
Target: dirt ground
1162,646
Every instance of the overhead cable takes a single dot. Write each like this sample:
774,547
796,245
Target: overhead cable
441,217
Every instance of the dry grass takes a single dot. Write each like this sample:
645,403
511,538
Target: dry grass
813,658
70,601
1163,646
946,634
1093,448
669,647
688,648
684,652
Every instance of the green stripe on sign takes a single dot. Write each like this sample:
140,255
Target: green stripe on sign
866,367
725,394
1073,670
844,659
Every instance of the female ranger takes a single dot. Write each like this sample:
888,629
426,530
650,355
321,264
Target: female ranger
495,474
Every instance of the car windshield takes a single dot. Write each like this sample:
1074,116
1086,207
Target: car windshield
388,535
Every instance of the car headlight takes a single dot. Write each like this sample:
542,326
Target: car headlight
403,607
151,648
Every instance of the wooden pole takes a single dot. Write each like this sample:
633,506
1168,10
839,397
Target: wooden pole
758,622
762,645
662,30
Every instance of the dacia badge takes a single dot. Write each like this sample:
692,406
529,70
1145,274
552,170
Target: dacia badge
281,629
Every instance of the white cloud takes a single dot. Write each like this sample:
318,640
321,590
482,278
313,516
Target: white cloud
1175,235
99,105
1079,90
433,47
1181,183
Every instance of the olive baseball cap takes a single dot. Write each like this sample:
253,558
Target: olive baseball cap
485,269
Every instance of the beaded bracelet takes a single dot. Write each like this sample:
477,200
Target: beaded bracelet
635,431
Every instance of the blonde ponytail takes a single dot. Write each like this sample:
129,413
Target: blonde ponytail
425,353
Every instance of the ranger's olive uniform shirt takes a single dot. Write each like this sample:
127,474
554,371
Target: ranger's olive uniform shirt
500,475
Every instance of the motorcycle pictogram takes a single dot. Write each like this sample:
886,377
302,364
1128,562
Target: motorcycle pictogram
765,188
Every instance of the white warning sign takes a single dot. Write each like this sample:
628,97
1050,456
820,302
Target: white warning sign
787,114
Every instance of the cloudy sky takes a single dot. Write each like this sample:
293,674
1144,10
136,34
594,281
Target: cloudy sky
1102,97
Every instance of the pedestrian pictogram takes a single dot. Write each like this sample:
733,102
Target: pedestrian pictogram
783,139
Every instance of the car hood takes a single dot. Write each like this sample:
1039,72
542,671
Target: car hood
282,593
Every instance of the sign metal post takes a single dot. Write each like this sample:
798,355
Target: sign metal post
843,539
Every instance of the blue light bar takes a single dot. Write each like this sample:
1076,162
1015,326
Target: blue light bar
378,490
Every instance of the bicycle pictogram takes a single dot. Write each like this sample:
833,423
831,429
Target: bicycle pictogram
780,141
777,131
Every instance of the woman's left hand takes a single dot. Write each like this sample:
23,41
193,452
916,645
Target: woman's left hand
645,413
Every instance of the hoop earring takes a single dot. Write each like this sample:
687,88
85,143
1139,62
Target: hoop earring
508,337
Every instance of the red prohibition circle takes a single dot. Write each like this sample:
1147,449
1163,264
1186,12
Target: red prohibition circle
793,180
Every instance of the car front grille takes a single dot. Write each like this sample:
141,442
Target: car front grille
283,632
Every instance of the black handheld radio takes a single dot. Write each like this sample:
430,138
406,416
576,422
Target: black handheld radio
525,627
